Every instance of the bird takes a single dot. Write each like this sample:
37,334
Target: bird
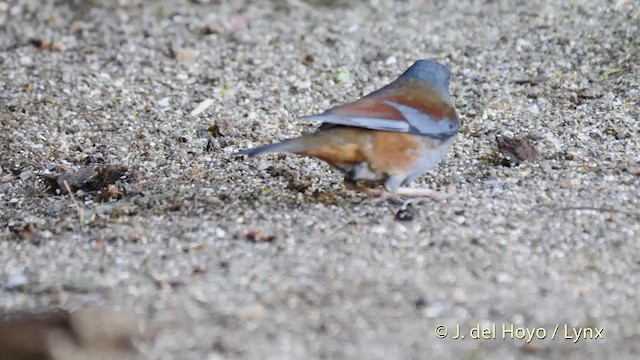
389,137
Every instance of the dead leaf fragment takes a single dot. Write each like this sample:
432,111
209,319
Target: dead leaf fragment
45,46
108,193
516,150
308,60
89,178
257,236
26,231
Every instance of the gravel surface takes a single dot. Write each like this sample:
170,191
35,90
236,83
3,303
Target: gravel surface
269,257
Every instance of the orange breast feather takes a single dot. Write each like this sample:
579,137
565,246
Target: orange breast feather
394,151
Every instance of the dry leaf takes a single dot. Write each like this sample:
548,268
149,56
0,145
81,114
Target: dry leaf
90,178
517,149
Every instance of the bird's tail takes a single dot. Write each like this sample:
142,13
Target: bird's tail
291,145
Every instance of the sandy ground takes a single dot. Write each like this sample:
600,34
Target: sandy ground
269,258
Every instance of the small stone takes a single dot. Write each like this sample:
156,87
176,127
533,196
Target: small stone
15,281
459,296
504,278
210,29
255,94
7,178
164,102
534,109
202,106
392,243
406,214
16,10
303,85
255,312
26,61
522,44
434,310
535,135
78,26
186,54
238,22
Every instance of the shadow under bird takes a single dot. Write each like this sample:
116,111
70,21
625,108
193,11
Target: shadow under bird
390,136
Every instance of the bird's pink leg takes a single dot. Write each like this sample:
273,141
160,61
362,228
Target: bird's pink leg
381,195
393,186
413,192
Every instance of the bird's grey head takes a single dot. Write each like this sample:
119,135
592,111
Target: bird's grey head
431,72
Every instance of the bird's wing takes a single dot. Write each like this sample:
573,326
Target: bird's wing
413,108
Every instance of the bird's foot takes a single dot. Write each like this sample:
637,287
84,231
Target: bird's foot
421,193
382,195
